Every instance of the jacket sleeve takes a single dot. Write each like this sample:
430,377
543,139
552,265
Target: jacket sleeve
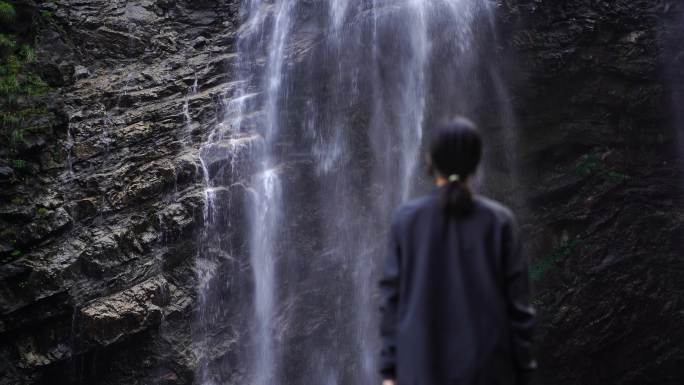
521,314
389,290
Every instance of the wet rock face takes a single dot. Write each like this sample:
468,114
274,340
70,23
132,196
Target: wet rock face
97,280
602,180
108,319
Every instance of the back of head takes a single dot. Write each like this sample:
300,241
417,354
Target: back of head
455,153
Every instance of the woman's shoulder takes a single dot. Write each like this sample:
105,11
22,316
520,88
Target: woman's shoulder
413,207
427,204
495,208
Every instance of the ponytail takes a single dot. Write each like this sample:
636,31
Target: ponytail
456,197
455,152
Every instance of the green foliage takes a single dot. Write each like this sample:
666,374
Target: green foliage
616,176
47,15
7,12
8,119
18,164
41,211
17,136
16,253
6,42
537,302
9,85
563,251
592,165
18,201
9,235
35,86
28,54
19,85
588,165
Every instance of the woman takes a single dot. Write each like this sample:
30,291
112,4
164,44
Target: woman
455,293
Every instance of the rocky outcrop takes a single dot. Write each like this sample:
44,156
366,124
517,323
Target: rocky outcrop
108,319
98,241
601,166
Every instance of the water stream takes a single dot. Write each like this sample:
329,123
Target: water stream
321,138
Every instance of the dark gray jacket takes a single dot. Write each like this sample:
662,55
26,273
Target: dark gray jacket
455,297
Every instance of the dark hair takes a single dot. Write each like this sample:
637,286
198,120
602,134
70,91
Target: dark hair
455,152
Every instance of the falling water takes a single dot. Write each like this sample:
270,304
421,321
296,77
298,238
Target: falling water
68,148
338,10
412,95
263,188
264,228
186,137
321,138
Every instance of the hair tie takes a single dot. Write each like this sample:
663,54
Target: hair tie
454,178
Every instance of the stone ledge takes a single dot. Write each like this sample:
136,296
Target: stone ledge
108,319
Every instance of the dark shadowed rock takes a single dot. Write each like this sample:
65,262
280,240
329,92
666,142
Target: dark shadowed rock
602,178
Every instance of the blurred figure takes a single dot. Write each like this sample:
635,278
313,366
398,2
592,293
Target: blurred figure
455,288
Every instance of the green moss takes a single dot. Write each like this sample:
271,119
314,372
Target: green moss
18,201
16,253
41,211
563,251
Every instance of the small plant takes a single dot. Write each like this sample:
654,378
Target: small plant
28,53
16,253
589,165
35,85
42,211
537,302
617,176
563,251
9,84
8,119
592,164
9,234
19,164
17,136
47,15
7,42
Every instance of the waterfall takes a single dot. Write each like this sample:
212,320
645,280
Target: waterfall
321,138
264,228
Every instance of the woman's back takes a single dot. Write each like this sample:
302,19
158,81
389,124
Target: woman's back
452,314
455,289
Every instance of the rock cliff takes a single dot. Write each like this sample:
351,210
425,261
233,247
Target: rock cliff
98,232
602,174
